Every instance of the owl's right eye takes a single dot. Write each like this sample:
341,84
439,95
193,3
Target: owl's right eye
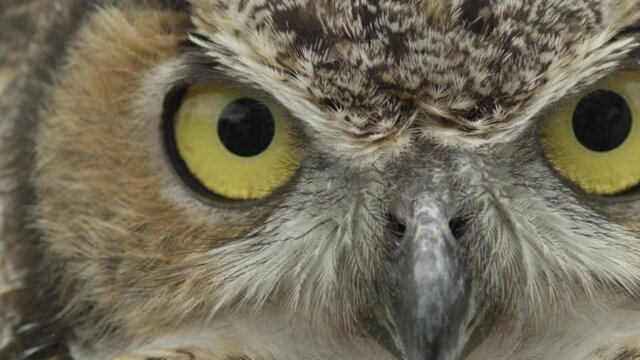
231,144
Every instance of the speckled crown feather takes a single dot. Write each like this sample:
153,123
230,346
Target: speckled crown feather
377,65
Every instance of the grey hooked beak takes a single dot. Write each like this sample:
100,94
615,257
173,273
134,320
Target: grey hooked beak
432,301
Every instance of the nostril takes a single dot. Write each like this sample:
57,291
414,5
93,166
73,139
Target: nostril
458,226
396,226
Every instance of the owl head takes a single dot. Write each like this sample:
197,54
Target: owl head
300,179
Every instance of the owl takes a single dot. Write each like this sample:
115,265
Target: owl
320,179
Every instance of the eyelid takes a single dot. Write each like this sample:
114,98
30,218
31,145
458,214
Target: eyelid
200,68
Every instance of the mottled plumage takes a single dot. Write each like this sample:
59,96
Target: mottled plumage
106,255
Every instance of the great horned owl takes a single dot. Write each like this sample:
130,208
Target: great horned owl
320,179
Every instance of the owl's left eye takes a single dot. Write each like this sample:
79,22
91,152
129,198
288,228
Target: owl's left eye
595,140
231,144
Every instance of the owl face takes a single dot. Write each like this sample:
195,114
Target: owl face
326,180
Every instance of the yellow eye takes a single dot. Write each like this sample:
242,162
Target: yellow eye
595,140
235,146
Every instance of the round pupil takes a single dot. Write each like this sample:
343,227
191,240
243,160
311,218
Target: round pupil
246,127
602,121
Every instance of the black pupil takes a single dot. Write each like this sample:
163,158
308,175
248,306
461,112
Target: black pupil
602,121
246,127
